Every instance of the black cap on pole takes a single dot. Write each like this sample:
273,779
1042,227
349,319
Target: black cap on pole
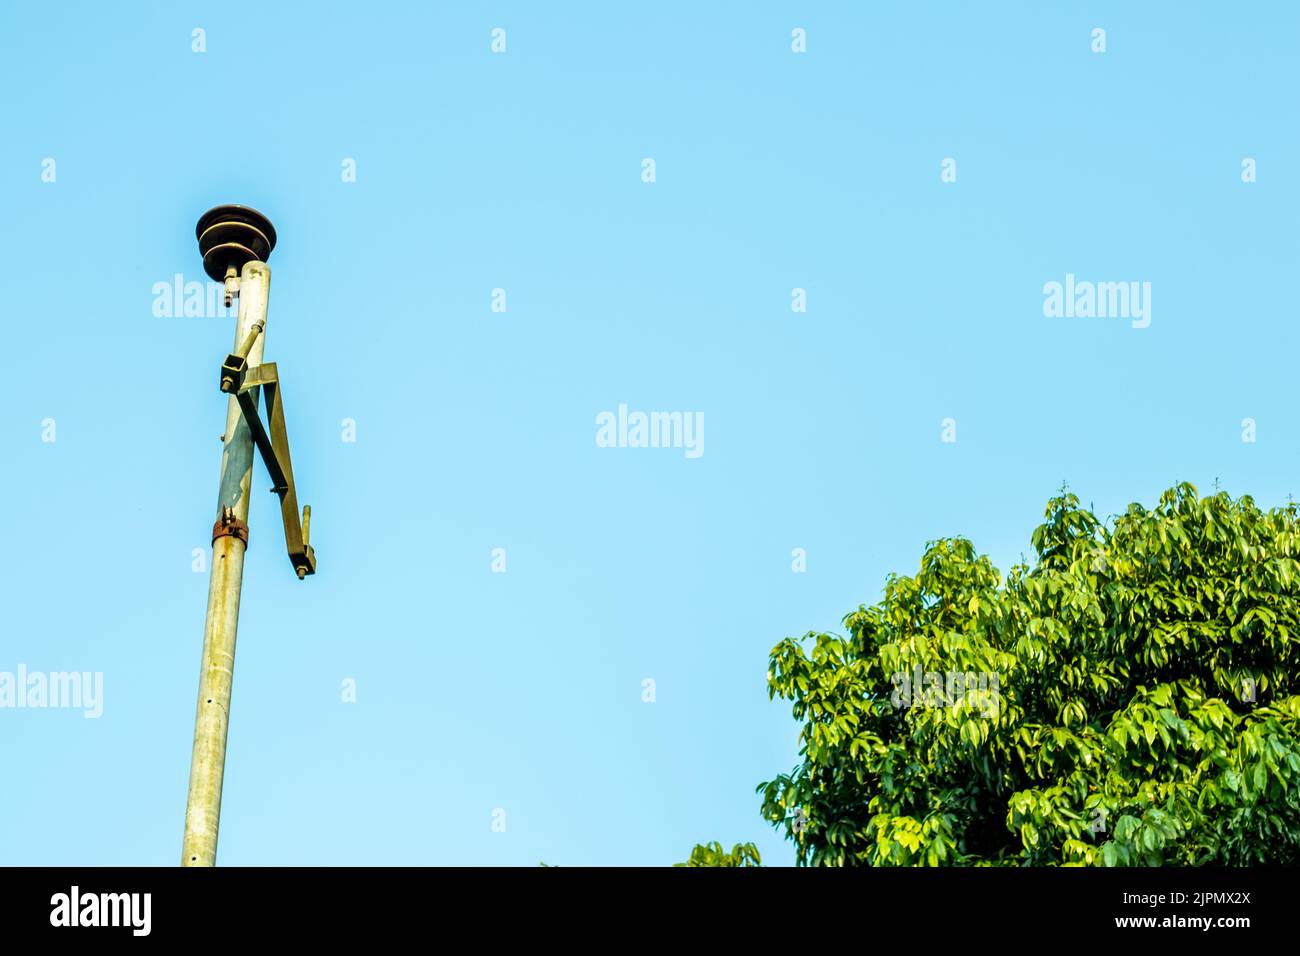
232,235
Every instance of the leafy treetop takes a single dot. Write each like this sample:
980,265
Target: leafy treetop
1130,697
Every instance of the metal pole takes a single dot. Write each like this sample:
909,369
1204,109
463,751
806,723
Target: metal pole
212,719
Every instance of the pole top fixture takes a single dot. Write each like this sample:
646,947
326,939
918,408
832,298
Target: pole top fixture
232,235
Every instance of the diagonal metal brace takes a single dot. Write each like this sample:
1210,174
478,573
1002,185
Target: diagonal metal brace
246,384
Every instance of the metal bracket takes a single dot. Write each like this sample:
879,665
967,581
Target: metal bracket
246,384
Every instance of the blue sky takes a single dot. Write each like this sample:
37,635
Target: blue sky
774,170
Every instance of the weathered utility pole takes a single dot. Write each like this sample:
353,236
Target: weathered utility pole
235,242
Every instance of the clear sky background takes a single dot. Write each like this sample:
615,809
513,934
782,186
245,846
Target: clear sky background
475,429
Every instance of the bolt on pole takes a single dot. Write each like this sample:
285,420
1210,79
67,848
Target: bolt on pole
236,240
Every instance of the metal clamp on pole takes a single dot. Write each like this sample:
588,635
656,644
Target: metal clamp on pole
229,524
237,361
273,445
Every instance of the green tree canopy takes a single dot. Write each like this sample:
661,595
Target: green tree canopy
1127,697
712,854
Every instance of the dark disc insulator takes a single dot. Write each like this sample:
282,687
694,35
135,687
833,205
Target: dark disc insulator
232,236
